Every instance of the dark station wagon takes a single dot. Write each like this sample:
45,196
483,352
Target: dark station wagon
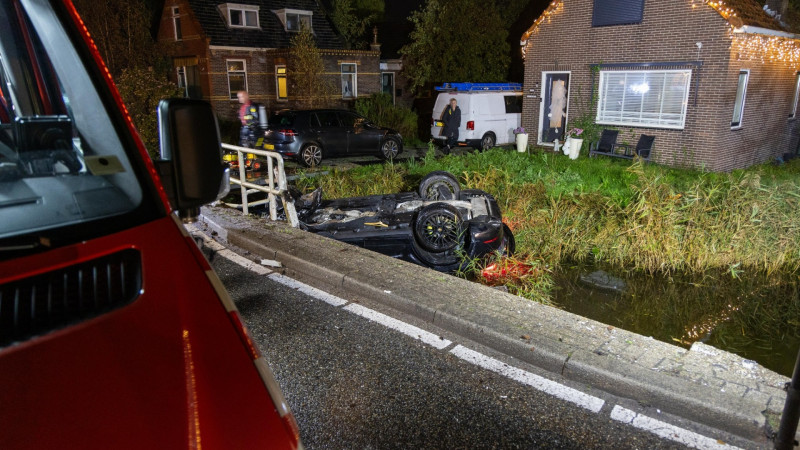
309,136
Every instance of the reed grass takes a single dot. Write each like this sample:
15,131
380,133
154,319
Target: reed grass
628,215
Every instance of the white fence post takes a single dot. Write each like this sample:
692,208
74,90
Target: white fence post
274,189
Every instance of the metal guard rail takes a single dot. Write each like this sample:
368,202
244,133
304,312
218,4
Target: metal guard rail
274,188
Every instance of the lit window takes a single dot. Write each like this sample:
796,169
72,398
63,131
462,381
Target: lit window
793,112
280,79
655,99
176,22
240,16
741,93
237,77
349,87
294,19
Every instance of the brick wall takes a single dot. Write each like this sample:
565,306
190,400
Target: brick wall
668,33
194,43
262,86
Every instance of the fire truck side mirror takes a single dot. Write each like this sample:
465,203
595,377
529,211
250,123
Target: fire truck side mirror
191,165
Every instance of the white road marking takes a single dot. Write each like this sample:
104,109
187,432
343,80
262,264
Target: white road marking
397,325
223,251
592,403
667,431
308,290
557,390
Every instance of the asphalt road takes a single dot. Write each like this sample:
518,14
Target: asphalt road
354,383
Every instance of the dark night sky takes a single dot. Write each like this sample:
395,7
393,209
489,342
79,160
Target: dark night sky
394,32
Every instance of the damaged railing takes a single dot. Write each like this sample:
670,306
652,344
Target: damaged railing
275,188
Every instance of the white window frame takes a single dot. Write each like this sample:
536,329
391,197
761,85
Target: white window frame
394,77
278,77
793,112
176,23
180,72
353,74
602,119
232,93
226,9
284,13
735,125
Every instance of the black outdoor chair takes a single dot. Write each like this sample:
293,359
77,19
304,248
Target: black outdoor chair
606,144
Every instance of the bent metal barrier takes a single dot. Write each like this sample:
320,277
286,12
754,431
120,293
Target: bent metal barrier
274,188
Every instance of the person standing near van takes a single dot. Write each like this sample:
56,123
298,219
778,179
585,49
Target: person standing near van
248,116
451,116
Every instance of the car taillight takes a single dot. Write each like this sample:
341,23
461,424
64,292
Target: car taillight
288,133
471,125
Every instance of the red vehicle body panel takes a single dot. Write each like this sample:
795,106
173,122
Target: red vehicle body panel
169,370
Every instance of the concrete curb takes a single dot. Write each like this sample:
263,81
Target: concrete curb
714,388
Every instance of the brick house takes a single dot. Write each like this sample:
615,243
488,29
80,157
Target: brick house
716,81
220,48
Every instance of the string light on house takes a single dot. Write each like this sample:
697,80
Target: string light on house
762,48
719,5
554,7
754,46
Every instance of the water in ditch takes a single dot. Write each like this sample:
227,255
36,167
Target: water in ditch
754,316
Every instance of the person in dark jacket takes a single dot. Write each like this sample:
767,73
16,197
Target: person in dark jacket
451,116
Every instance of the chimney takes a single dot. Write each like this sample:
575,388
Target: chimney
375,46
779,6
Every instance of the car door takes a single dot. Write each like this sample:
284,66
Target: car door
362,137
332,136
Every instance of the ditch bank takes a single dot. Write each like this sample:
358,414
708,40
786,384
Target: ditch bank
702,383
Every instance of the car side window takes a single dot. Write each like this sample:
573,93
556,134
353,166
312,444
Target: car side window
327,119
348,120
313,120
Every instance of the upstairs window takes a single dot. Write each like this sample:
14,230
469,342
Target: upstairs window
617,12
741,93
176,22
240,16
294,19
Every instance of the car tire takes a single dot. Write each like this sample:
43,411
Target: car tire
509,243
430,188
390,148
487,141
437,227
442,262
310,155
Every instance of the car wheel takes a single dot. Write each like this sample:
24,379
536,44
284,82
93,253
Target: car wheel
509,243
439,185
390,149
487,141
311,155
437,227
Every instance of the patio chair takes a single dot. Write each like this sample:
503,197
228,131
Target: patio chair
643,148
606,144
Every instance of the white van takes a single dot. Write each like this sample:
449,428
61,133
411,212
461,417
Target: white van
490,112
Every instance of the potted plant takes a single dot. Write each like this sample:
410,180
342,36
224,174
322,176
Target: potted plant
575,142
522,139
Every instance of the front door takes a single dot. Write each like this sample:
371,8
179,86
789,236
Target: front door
555,104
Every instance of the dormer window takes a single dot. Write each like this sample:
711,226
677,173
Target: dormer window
294,19
240,16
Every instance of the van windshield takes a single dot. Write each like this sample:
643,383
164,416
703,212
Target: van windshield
62,163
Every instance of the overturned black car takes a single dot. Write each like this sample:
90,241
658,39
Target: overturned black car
441,226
